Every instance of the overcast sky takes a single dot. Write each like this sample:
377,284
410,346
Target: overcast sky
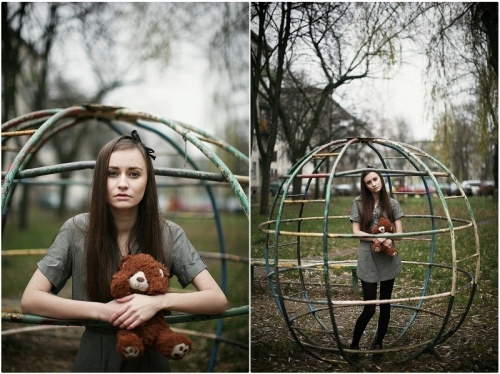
178,92
402,95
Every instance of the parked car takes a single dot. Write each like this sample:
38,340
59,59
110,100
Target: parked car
472,186
455,192
343,189
50,200
420,189
486,188
446,188
403,189
233,205
274,187
346,189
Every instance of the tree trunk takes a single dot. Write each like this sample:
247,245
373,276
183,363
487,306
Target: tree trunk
264,191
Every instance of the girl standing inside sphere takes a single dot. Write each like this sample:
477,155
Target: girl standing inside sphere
123,219
372,267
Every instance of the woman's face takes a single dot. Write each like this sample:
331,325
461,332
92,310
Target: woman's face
127,178
373,182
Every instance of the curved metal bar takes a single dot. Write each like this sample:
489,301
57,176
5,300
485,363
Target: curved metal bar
29,117
32,141
179,318
283,187
325,246
433,225
297,250
353,236
277,268
218,141
279,301
469,208
207,255
55,129
82,165
50,124
214,159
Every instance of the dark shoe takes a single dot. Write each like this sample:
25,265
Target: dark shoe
354,356
377,356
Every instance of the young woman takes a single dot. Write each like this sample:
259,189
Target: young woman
123,219
374,268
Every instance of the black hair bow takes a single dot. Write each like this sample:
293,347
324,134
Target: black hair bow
137,138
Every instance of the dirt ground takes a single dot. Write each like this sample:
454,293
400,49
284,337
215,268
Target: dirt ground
473,348
40,351
54,351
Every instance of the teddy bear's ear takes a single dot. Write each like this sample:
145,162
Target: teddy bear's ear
164,271
124,259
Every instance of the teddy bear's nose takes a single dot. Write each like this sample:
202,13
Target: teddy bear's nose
140,279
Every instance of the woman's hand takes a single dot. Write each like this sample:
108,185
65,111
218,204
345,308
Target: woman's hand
134,310
387,243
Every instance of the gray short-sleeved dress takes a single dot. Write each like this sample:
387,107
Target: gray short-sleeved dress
65,259
374,267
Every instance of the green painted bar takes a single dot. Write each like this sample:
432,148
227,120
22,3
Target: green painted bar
180,318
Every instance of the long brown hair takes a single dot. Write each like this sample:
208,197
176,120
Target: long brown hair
102,252
368,202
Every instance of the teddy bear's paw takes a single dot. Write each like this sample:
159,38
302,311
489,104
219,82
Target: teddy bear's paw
131,352
180,350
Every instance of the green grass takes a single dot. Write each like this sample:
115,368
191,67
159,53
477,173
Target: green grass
17,270
411,249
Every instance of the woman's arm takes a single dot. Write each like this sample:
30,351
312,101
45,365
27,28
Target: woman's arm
136,308
356,230
399,228
38,300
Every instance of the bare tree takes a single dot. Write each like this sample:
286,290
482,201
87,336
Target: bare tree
37,37
456,140
302,133
267,76
461,42
334,44
220,33
33,43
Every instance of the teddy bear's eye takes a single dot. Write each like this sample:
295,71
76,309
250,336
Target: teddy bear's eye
161,273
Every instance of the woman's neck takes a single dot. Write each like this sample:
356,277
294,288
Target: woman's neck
124,220
376,199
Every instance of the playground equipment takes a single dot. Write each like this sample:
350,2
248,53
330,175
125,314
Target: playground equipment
43,125
310,268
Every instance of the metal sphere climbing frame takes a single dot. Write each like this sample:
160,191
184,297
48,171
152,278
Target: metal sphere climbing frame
312,277
42,125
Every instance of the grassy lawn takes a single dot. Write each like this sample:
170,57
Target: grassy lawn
17,270
413,248
481,321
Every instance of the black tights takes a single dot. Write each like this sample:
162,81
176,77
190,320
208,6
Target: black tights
370,293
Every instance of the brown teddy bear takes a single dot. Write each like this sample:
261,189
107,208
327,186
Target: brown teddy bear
142,274
384,226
